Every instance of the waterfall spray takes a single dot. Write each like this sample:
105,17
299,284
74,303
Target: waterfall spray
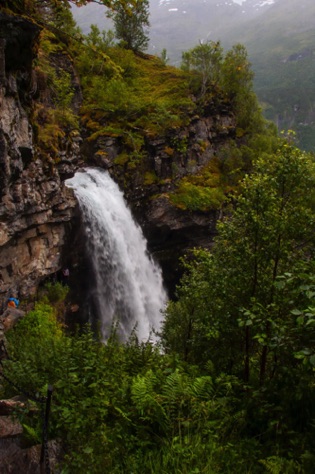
128,283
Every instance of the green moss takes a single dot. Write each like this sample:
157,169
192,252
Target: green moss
105,132
132,165
101,153
137,93
201,192
197,198
121,159
53,115
169,151
203,144
180,144
134,141
150,178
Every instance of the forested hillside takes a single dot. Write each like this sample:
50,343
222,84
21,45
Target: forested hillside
281,46
228,386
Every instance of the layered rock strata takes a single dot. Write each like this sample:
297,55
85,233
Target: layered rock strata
35,206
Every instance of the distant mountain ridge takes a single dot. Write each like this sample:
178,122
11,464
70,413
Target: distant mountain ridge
177,25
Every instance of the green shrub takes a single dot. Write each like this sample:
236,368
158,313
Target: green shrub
55,292
197,198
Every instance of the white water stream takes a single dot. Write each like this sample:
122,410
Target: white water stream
128,284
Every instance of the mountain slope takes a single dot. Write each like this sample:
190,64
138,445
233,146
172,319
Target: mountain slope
278,34
281,46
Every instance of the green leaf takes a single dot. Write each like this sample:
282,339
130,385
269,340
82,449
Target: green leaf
88,450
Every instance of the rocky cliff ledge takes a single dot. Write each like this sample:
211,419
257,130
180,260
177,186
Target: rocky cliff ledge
170,230
35,206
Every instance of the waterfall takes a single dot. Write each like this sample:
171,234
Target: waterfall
128,284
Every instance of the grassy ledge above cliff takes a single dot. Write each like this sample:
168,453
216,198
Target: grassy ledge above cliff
149,112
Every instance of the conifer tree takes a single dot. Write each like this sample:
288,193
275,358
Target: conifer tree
131,19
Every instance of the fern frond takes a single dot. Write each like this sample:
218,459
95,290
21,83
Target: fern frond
278,465
202,388
146,400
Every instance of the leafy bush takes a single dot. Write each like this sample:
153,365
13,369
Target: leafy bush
122,408
55,292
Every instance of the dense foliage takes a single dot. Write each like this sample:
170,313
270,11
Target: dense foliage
123,408
231,388
246,308
229,74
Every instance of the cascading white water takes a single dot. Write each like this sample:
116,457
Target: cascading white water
128,284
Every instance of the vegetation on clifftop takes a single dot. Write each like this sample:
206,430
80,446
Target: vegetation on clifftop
136,98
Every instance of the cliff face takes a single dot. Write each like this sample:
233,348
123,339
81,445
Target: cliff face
170,231
35,206
38,214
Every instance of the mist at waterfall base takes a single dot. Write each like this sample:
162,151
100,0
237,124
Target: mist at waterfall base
128,287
